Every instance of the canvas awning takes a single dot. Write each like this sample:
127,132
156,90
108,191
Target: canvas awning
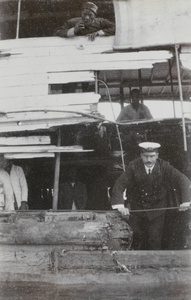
151,23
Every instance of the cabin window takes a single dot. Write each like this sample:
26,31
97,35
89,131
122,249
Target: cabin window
73,87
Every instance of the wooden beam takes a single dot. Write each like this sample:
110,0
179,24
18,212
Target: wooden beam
54,101
67,77
28,155
25,140
68,119
37,259
56,174
41,148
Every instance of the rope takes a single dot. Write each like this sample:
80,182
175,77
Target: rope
117,129
157,209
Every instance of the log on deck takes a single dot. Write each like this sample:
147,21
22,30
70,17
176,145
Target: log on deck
78,229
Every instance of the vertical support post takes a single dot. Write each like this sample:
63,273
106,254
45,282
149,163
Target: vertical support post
96,82
121,95
57,174
172,87
140,85
18,18
181,97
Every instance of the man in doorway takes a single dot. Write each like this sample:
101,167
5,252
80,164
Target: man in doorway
135,110
151,184
72,193
17,180
87,25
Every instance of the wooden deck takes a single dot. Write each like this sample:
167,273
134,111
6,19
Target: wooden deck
52,272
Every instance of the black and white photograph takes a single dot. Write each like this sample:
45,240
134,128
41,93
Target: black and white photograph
95,150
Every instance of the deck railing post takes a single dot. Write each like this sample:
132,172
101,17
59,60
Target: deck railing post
57,174
181,97
172,87
18,18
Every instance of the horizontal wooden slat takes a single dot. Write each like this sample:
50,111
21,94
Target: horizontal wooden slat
25,140
47,63
80,66
21,91
53,272
50,149
31,79
42,148
66,77
40,257
54,42
28,155
67,119
50,101
73,60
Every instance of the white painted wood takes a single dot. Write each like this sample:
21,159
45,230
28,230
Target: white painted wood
25,140
54,101
42,148
28,155
14,69
68,119
55,42
21,91
10,80
44,63
66,77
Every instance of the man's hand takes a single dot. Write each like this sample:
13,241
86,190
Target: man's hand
24,206
184,206
92,36
124,211
78,27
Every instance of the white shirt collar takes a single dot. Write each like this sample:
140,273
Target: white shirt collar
147,169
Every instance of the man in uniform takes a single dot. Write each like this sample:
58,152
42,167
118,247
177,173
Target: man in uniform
88,24
151,184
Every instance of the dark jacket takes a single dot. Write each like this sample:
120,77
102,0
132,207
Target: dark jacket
98,24
69,194
164,187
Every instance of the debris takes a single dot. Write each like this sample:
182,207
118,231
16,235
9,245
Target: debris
120,267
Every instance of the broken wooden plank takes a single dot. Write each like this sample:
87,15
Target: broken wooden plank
41,148
66,77
68,119
25,140
82,63
28,155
